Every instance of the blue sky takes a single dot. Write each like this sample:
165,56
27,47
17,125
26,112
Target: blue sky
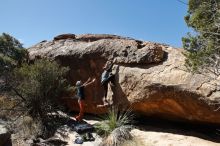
32,21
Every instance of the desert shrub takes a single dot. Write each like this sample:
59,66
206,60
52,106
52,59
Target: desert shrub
40,85
31,89
30,127
115,127
6,104
118,136
24,129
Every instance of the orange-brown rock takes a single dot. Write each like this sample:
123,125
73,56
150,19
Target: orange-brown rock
64,36
150,77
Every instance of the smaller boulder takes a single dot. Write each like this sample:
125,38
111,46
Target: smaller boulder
64,36
5,136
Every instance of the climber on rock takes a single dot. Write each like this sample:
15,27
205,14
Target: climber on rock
107,77
81,96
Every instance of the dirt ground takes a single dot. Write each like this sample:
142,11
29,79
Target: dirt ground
154,133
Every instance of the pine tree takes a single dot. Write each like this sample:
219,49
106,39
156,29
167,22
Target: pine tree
203,48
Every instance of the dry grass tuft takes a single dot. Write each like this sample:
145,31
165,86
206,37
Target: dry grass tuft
7,105
118,136
115,127
25,128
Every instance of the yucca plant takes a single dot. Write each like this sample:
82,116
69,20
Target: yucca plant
115,127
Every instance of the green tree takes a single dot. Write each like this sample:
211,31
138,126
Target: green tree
12,53
203,50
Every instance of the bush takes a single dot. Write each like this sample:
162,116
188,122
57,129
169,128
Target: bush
29,89
115,127
6,104
39,85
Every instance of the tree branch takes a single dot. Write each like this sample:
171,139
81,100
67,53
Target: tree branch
17,93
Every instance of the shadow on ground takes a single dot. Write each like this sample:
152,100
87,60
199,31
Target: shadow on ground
206,132
152,124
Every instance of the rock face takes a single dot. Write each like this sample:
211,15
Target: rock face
5,136
150,77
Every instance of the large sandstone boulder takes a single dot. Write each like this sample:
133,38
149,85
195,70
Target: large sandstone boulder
150,77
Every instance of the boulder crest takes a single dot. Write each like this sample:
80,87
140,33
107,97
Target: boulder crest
64,36
150,77
108,47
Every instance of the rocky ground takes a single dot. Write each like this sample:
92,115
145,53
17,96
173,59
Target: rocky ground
164,135
146,132
4,134
151,138
155,133
71,136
